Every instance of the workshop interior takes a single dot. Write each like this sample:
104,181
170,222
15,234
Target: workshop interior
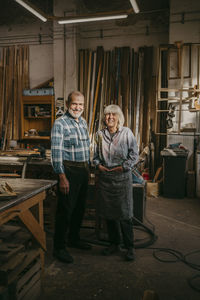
144,56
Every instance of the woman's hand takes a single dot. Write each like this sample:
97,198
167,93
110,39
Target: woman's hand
103,169
63,184
117,169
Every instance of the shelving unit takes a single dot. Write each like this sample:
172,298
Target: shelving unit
181,90
37,117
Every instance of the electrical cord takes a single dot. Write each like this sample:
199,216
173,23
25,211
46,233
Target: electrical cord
142,243
191,281
179,257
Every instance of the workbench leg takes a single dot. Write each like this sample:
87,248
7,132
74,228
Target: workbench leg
41,222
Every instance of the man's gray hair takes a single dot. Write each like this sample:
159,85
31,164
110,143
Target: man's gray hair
115,109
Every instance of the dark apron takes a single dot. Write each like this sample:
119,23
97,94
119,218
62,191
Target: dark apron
115,195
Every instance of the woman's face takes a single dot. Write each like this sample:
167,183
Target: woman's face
112,121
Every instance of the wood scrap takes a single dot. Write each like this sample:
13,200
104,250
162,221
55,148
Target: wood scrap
158,174
6,191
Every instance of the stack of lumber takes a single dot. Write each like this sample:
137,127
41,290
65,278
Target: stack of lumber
121,77
14,77
20,265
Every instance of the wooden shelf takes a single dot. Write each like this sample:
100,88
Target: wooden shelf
30,106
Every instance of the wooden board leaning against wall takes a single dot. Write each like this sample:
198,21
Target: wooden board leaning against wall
14,77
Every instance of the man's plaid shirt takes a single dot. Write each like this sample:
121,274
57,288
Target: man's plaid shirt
69,141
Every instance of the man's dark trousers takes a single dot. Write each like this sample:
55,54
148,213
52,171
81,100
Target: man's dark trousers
71,207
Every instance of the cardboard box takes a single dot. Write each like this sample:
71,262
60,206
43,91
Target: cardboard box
152,189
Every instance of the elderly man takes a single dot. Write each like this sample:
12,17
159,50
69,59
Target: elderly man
70,157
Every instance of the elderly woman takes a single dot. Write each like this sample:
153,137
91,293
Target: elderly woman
116,153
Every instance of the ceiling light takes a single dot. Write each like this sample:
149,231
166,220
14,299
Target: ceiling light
92,19
31,9
135,6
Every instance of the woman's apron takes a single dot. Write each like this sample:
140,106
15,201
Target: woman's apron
115,200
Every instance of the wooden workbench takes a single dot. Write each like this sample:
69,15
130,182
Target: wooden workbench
30,192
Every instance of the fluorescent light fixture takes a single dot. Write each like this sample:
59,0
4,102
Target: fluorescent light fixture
31,9
92,19
135,6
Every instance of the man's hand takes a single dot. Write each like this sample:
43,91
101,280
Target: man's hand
63,184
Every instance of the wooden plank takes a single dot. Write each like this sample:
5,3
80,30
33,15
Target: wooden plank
125,77
85,78
141,100
92,88
158,172
181,57
148,69
132,91
33,290
15,175
88,85
33,269
102,100
96,96
106,78
6,127
9,99
15,105
81,53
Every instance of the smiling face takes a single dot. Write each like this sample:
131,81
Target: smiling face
76,106
112,120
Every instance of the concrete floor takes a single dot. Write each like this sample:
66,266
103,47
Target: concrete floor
93,276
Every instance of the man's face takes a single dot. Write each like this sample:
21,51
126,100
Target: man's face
76,106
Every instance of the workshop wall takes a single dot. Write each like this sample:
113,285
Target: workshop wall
41,64
184,21
109,35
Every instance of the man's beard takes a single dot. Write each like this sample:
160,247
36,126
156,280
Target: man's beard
77,115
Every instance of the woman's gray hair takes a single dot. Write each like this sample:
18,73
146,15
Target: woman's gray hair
115,109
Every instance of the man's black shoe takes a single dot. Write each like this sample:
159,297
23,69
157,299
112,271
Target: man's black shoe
110,250
130,255
63,255
80,245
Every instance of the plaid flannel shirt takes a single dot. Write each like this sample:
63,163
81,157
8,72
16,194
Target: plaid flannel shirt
69,141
